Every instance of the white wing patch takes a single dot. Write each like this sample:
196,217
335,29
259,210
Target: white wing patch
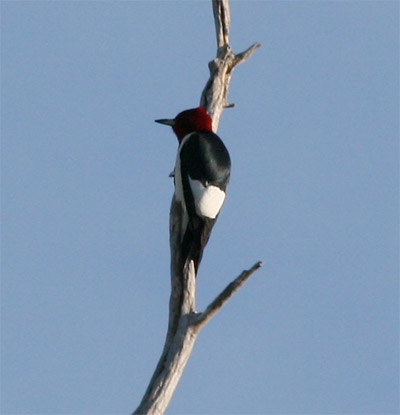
207,199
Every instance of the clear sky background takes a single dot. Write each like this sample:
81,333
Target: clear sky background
314,194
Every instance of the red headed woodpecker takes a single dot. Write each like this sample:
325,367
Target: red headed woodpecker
202,172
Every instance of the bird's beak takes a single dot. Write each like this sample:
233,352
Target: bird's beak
171,123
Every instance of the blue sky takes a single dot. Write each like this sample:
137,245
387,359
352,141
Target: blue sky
314,194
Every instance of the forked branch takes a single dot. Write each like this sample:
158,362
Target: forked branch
184,322
214,95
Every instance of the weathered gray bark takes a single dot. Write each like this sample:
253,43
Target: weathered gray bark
184,322
214,96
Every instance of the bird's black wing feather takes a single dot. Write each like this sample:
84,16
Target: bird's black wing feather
203,157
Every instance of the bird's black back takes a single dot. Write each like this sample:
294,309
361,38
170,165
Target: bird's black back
203,157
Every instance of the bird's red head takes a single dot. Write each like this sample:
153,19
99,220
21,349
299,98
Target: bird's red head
188,121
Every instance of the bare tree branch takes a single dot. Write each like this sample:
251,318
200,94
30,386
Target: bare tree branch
184,322
243,56
222,19
203,318
214,95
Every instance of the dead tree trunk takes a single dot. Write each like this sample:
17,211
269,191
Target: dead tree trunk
184,322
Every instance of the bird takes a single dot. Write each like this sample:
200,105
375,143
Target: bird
201,176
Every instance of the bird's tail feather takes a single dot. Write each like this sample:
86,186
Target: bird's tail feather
195,239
